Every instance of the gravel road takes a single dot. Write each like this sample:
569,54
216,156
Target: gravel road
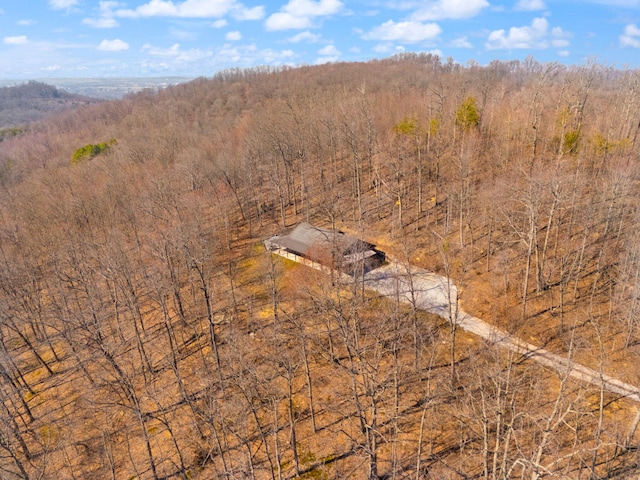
433,293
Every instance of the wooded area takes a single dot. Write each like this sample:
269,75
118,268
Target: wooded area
31,101
145,332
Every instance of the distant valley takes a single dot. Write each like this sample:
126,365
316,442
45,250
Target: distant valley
104,88
25,101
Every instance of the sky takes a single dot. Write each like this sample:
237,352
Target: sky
192,38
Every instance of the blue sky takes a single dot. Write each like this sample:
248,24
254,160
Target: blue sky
142,38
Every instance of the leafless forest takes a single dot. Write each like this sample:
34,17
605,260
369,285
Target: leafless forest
32,101
145,333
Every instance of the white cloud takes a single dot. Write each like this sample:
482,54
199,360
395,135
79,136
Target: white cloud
559,38
26,23
386,48
251,55
328,54
62,4
408,32
106,19
451,9
233,36
243,13
329,50
172,51
220,23
530,5
191,9
461,42
18,40
308,8
178,55
304,37
104,22
116,45
299,14
107,6
631,36
537,35
286,21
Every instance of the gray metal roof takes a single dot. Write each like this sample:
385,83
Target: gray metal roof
305,238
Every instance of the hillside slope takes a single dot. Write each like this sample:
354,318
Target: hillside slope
146,333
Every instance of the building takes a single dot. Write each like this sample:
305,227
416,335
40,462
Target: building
331,248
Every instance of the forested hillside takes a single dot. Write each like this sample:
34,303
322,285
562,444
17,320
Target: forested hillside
145,332
30,101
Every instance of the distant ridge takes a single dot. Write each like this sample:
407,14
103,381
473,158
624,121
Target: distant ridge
106,88
30,101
